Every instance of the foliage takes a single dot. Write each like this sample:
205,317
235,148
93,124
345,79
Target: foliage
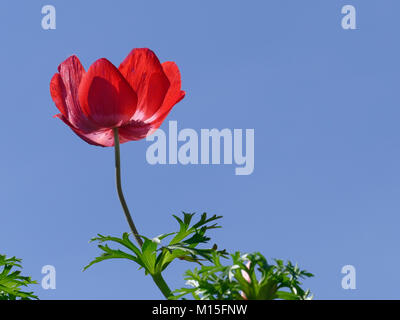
248,277
155,258
11,280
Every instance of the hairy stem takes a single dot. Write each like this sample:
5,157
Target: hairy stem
158,279
119,189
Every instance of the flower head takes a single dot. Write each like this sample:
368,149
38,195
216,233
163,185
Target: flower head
136,97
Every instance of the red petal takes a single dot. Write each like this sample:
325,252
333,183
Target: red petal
102,138
173,96
135,130
64,91
142,69
58,93
105,96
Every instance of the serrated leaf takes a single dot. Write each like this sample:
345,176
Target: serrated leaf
113,254
11,280
149,255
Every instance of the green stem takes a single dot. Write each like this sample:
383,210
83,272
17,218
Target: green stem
158,279
162,285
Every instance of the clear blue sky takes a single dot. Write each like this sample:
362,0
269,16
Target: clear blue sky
324,103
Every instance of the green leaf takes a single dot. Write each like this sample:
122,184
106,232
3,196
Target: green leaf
155,258
109,253
11,280
149,256
113,254
183,244
185,229
286,295
230,282
125,241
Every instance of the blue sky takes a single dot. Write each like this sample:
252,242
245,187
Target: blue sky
323,101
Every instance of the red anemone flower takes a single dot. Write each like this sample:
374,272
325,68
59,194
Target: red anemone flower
135,98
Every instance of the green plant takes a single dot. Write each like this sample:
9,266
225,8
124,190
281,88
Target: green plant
249,276
11,280
153,257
